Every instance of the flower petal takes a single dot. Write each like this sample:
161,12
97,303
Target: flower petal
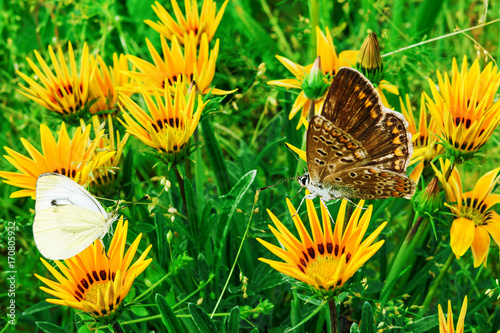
461,236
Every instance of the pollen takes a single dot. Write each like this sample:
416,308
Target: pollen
323,269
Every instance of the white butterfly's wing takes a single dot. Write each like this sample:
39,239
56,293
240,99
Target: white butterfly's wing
61,232
53,189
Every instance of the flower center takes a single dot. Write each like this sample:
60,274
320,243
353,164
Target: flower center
323,268
472,214
94,290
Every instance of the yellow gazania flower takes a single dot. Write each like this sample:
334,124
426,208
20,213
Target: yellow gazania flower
475,221
64,90
106,173
105,83
464,108
94,281
446,326
193,23
424,147
76,158
169,123
329,258
194,64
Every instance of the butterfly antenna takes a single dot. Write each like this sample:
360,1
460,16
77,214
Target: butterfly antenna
296,157
133,202
281,181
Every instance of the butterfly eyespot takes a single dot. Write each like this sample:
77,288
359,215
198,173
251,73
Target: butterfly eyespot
322,152
379,187
379,192
352,174
370,196
346,160
367,177
337,179
315,139
339,153
359,182
322,138
328,142
320,162
53,202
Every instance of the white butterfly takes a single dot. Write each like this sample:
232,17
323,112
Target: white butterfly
67,217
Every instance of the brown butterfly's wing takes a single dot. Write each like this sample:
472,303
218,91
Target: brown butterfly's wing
369,182
353,104
330,149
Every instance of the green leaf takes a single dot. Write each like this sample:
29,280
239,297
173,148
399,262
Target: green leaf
49,328
161,236
426,16
305,320
233,320
40,306
354,328
168,316
367,321
215,156
423,325
201,319
232,199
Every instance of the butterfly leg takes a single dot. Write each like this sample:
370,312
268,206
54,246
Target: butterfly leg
309,196
326,206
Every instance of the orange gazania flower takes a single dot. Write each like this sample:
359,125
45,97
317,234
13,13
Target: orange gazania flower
192,23
475,221
168,123
446,325
106,82
329,258
94,281
64,89
75,158
464,108
194,63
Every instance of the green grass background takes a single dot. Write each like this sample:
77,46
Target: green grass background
251,127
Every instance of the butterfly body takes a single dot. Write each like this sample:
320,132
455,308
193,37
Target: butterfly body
67,217
357,148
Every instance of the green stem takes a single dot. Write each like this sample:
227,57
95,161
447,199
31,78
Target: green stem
237,254
180,181
138,298
284,46
333,315
401,259
314,17
437,283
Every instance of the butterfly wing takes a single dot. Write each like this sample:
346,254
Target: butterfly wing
53,189
369,182
353,104
330,149
63,231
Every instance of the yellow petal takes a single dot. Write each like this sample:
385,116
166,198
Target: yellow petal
461,236
480,246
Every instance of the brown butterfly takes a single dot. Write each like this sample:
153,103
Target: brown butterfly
357,148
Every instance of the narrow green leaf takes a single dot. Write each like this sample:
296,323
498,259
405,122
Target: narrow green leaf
426,16
367,321
354,328
424,324
233,321
161,236
232,199
191,204
167,315
215,156
305,320
49,328
201,319
40,306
